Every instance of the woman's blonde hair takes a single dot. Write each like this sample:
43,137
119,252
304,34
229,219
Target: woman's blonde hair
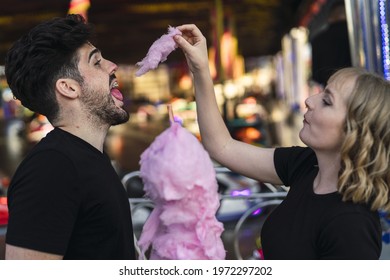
365,154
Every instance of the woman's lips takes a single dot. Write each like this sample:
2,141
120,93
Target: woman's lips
304,120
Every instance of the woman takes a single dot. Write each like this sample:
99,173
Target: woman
337,184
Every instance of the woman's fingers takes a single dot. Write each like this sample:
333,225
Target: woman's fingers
191,33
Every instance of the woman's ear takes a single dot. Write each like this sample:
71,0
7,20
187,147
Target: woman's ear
68,88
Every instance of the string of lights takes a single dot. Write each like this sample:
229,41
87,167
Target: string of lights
384,26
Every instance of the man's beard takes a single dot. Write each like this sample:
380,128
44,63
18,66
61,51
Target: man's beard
102,108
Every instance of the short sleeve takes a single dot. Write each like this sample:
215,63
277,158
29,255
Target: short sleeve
43,203
292,163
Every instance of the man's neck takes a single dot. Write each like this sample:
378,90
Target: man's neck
95,136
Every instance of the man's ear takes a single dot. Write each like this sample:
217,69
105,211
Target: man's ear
68,88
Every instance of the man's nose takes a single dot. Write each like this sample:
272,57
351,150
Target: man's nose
111,67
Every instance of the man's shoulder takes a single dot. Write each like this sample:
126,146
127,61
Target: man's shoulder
55,149
61,141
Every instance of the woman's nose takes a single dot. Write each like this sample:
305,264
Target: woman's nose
308,102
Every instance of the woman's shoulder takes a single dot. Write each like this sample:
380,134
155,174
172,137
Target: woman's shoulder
296,156
295,151
293,164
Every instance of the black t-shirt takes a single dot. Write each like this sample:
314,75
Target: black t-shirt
316,226
66,198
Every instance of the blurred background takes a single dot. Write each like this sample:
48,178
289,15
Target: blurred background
266,57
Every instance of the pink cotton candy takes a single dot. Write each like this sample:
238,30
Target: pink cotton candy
159,51
179,177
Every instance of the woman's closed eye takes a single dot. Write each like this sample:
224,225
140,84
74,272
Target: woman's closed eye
326,102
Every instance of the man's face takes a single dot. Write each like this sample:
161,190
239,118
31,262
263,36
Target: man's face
100,94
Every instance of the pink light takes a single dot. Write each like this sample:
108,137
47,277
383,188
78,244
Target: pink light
257,212
244,192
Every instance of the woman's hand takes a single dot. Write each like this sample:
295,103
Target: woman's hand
194,46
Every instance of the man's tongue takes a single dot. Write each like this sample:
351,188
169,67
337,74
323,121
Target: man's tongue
117,94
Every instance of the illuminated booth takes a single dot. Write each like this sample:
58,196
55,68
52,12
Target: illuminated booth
368,27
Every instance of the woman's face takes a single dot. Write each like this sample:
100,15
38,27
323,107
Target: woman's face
323,124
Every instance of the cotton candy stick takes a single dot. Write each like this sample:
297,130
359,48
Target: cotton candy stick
170,113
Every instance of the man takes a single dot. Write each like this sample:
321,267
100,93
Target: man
65,199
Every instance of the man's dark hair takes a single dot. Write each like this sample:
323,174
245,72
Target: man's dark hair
39,58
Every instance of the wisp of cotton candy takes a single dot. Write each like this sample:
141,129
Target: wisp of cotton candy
158,52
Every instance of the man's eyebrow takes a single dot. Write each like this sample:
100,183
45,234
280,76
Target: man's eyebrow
92,53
